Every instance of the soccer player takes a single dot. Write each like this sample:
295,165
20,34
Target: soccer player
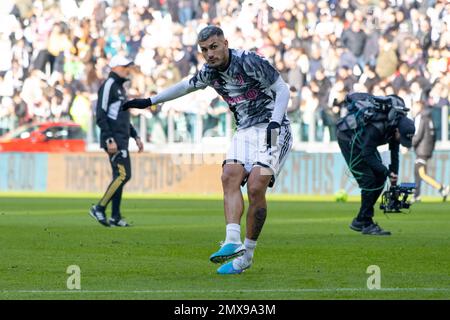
116,130
424,142
258,98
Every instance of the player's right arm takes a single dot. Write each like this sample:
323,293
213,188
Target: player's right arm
177,90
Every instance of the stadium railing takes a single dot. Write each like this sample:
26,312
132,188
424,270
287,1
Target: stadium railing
192,137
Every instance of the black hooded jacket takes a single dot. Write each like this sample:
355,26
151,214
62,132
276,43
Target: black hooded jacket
372,138
112,120
366,143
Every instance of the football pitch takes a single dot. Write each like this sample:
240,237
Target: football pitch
305,251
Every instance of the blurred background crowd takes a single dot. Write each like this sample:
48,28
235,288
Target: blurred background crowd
54,56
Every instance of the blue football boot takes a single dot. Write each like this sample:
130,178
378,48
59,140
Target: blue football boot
237,266
227,251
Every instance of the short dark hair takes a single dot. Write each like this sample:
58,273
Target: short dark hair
208,32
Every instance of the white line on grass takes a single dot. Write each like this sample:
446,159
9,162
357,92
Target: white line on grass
299,290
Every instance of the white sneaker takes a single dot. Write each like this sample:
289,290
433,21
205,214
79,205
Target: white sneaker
444,192
98,215
242,263
120,223
237,266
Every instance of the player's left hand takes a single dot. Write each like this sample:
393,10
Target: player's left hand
139,144
273,130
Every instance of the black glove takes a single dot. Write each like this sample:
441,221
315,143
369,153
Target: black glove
137,103
273,130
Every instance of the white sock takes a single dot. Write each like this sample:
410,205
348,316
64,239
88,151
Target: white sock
233,233
250,246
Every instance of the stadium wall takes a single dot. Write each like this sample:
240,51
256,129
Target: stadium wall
304,173
326,173
23,171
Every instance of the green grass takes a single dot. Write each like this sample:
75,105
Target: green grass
306,251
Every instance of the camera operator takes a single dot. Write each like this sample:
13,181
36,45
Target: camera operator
359,148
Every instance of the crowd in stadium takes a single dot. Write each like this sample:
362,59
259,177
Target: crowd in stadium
54,55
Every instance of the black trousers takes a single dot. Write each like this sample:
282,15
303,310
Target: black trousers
121,172
371,184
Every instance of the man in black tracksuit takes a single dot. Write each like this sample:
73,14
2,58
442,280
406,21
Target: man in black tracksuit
423,143
116,130
359,148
